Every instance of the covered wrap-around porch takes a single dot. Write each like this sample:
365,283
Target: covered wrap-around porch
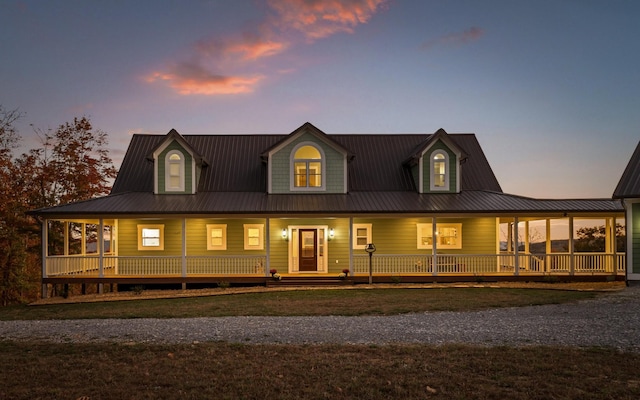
220,249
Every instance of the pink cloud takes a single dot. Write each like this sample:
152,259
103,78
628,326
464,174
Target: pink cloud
321,18
216,63
458,38
190,79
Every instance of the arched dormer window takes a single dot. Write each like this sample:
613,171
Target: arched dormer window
174,172
439,170
307,168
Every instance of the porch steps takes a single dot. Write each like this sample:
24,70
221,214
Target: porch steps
308,281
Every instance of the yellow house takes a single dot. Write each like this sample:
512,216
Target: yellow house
235,208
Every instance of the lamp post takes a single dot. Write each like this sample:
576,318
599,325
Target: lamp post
370,248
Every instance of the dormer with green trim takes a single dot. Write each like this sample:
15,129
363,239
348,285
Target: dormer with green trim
436,166
307,161
177,166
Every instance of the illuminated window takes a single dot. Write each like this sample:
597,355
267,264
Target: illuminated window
361,235
174,172
439,171
449,236
307,168
216,237
253,236
150,237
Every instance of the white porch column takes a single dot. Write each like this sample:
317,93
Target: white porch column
100,248
351,267
184,250
267,265
526,237
516,250
572,262
66,238
547,248
45,253
434,246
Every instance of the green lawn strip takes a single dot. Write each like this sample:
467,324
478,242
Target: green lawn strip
230,371
309,302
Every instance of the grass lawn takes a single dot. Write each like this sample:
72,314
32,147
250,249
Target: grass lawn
229,371
304,302
33,370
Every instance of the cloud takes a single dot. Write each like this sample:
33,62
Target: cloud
458,38
190,79
218,66
321,18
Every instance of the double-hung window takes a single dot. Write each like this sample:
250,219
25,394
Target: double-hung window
150,237
448,236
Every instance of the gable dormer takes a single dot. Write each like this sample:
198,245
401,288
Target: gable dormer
176,166
436,165
307,161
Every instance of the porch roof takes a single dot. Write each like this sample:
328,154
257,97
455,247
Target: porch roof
391,202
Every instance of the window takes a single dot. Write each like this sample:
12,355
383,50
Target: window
216,237
439,170
174,172
253,236
361,235
449,236
150,237
307,168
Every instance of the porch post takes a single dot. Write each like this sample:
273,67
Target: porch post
614,244
547,248
45,251
184,252
352,270
101,248
516,250
100,252
66,238
434,246
267,266
526,237
572,265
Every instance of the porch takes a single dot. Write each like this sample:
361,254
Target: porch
82,266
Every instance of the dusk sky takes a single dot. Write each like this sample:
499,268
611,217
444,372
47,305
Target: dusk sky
551,88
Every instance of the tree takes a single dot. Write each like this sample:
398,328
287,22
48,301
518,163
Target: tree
73,164
590,239
15,269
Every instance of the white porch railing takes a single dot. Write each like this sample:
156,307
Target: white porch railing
491,264
147,266
579,263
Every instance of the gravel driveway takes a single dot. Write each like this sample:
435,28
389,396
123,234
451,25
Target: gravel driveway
612,320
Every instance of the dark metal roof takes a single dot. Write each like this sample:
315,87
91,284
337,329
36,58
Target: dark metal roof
380,182
629,184
355,203
235,165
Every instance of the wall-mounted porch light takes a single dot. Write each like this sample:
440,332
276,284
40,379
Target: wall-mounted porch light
284,233
332,234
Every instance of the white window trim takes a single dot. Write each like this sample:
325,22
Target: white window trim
428,228
211,227
368,227
167,172
447,172
260,245
323,168
146,248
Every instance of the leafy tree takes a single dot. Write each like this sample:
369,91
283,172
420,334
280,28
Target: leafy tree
71,165
16,272
592,239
